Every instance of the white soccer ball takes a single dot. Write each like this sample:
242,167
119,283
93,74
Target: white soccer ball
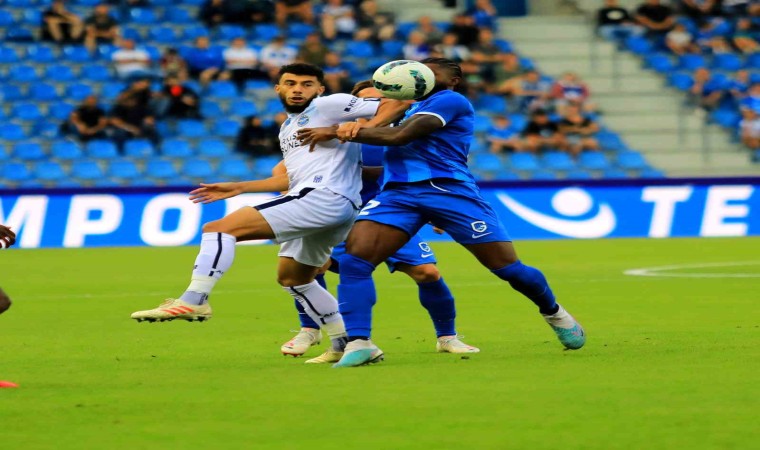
404,79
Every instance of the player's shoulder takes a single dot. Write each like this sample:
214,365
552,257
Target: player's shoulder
334,99
449,97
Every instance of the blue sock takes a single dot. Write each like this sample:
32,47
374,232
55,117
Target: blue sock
306,321
356,295
531,283
321,280
437,299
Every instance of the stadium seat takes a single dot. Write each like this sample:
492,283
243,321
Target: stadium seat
139,148
77,54
243,108
6,18
11,132
507,175
96,72
213,148
631,160
727,118
524,162
504,45
46,129
11,92
68,183
403,29
26,111
8,55
210,109
651,173
190,128
727,61
482,123
101,149
21,3
123,170
222,90
59,72
492,103
298,30
229,32
31,183
359,49
162,35
49,171
593,161
578,174
681,81
16,172
557,161
487,162
638,45
161,169
197,168
66,150
78,91
227,128
23,73
86,170
105,51
111,90
105,183
176,148
40,54
29,151
691,62
615,173
265,32
19,34
543,175
43,92
143,16
257,85
753,61
60,110
179,16
659,63
234,169
191,32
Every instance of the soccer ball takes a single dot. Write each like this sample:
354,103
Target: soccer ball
404,79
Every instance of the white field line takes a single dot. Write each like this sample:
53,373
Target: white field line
666,271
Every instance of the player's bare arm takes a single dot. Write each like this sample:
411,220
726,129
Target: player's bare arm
416,127
7,236
209,193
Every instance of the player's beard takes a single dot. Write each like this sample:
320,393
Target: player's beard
296,109
437,88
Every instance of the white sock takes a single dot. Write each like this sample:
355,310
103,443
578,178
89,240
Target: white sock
214,259
322,307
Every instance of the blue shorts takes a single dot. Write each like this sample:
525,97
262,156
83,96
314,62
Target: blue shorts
455,206
416,252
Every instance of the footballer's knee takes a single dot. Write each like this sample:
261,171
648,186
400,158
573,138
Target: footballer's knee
5,302
424,273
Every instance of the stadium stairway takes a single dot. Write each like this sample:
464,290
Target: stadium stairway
636,103
407,11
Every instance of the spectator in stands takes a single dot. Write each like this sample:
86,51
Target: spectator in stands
614,21
61,25
416,47
213,13
656,18
487,54
285,8
177,101
173,65
719,45
374,25
313,50
465,29
680,41
140,90
706,91
473,84
429,29
752,100
131,62
276,55
336,75
738,87
449,48
749,128
129,119
338,20
531,91
203,62
743,38
699,10
542,133
738,8
509,68
255,139
579,130
100,27
484,14
502,137
240,64
570,90
87,122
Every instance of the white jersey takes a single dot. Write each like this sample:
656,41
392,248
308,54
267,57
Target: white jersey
332,165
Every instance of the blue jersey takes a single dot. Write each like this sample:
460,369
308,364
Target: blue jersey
443,153
372,156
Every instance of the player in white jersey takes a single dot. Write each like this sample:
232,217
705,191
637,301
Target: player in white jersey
316,213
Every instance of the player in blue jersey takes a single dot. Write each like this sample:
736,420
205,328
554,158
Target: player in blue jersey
415,259
426,179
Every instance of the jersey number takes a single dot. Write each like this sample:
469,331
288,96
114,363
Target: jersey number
370,204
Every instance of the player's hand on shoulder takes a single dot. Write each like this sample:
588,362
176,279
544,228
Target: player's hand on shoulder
209,193
313,136
7,236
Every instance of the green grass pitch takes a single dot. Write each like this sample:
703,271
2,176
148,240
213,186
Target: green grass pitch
669,363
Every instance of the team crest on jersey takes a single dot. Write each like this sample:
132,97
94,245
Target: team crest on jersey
303,120
425,247
479,226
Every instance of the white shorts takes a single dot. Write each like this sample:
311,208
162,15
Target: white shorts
307,225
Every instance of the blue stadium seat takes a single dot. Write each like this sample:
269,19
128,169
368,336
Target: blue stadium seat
404,28
59,72
227,128
727,118
111,90
519,121
46,129
482,123
610,141
123,169
265,32
638,45
6,18
234,169
613,172
557,161
753,61
257,85
96,72
86,170
691,62
19,34
578,174
76,54
16,172
593,161
191,32
8,55
681,81
142,182
272,106
197,168
23,73
139,148
487,162
176,148
31,183
659,63
49,171
359,49
21,3
651,173
243,108
631,160
105,183
222,89
66,150
101,149
43,92
68,183
727,61
160,168
60,110
190,128
213,148
105,51
31,17
263,165
210,108
30,151
228,32
26,111
507,175
298,30
163,35
78,91
543,175
11,132
179,16
504,45
524,162
392,49
40,54
143,16
492,103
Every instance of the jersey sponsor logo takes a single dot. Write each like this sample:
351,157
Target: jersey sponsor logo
351,104
570,203
303,120
289,143
425,248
